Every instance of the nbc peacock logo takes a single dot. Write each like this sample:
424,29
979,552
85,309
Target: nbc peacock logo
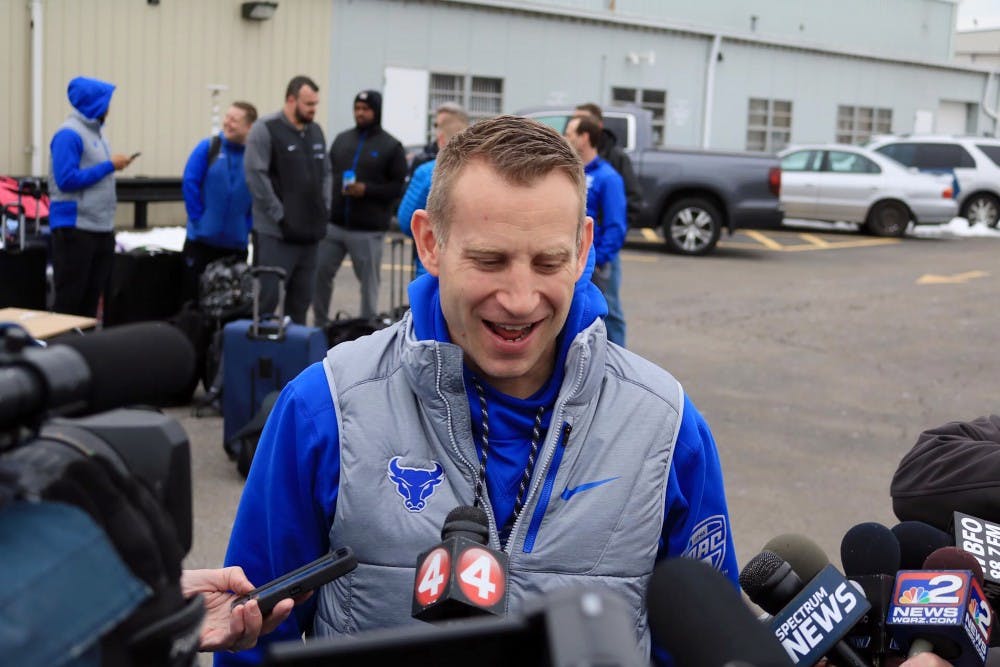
915,595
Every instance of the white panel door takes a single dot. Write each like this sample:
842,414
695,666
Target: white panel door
404,104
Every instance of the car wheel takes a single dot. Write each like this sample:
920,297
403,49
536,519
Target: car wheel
982,208
888,218
692,226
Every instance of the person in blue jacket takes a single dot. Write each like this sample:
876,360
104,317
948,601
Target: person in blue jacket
83,200
216,197
449,119
606,204
498,389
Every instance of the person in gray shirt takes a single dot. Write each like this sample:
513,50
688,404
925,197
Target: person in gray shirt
289,176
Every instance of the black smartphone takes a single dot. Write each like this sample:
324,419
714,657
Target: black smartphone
134,155
306,578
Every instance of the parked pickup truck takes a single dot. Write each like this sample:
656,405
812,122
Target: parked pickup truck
690,195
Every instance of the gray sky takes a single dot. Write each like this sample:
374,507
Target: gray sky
985,13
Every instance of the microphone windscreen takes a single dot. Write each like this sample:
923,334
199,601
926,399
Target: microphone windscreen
953,558
916,542
467,521
147,362
869,548
805,556
769,581
697,615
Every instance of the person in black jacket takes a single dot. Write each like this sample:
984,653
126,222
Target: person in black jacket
369,169
613,154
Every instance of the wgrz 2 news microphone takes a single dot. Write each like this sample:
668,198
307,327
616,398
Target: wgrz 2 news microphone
462,576
942,608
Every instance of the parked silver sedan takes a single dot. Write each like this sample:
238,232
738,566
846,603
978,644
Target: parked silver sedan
847,183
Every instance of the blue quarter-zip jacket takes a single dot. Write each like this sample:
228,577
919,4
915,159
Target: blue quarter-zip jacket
290,497
216,196
606,205
416,197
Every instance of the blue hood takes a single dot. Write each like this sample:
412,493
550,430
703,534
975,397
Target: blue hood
91,97
429,323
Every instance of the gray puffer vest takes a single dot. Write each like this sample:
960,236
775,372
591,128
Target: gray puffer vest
401,403
95,205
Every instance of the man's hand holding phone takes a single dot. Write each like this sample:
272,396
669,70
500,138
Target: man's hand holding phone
229,628
120,161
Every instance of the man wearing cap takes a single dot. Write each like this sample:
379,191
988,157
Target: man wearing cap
82,191
369,168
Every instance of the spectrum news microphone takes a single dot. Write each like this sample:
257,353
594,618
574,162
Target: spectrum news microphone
943,609
697,615
462,576
871,555
810,620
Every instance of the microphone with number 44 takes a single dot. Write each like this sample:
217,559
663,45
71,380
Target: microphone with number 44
462,576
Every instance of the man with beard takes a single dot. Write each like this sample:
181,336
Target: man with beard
369,168
289,178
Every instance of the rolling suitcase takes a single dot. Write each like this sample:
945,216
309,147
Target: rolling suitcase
24,252
259,356
145,285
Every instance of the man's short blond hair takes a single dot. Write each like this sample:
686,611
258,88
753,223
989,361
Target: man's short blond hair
450,119
520,150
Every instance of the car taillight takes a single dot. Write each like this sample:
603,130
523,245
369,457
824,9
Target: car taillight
947,194
774,180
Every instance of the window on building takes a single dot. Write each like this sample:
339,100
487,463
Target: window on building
769,124
481,96
856,125
654,101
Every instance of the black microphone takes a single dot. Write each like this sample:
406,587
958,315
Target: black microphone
810,620
916,542
871,555
697,615
462,576
943,610
148,362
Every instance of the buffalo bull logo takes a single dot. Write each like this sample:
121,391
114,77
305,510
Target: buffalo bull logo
415,485
708,541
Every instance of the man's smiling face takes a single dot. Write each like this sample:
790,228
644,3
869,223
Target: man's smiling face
507,273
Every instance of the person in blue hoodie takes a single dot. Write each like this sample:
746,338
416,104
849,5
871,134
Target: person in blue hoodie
216,197
497,389
83,200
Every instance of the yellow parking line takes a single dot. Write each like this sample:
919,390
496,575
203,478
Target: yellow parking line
765,241
861,243
814,240
649,234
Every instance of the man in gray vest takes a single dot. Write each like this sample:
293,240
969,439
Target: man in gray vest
82,191
498,389
288,173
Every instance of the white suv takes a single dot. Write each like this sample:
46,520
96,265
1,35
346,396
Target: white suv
975,162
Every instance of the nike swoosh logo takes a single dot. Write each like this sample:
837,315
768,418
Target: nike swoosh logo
569,493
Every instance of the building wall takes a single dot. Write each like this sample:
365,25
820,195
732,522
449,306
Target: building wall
978,47
556,59
917,29
162,58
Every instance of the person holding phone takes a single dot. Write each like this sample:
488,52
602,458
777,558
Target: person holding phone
83,200
369,168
